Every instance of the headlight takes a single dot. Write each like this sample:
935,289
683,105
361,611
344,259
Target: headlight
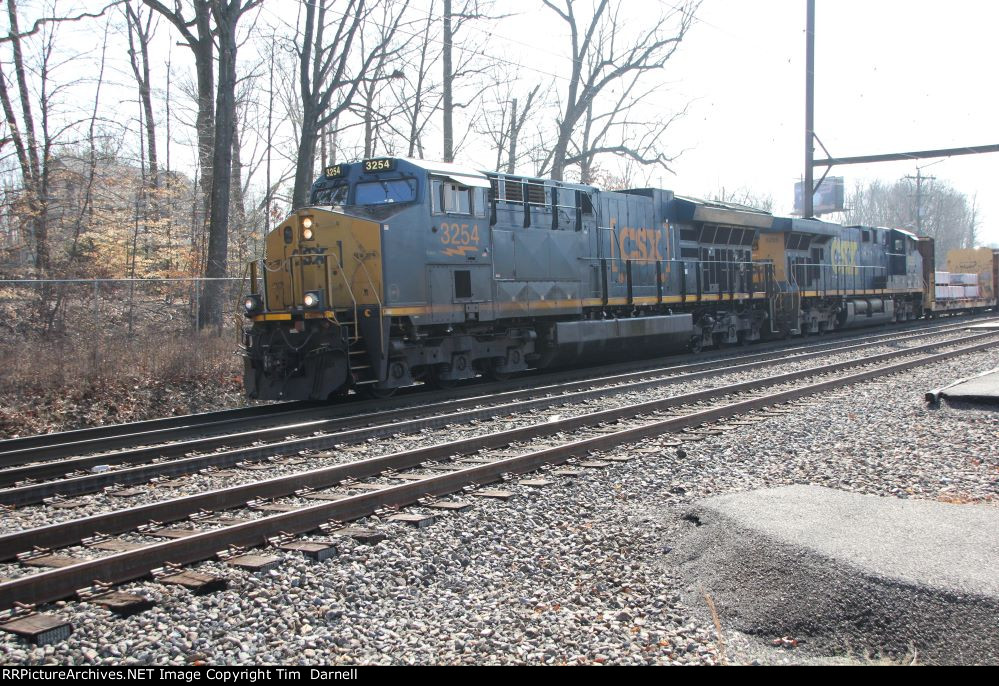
253,305
312,299
307,234
307,223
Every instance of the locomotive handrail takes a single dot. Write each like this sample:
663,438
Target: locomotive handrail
350,292
737,277
329,290
826,274
381,307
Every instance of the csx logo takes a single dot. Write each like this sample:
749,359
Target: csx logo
640,244
308,252
843,255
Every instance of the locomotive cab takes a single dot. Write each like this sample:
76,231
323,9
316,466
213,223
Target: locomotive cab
315,308
386,256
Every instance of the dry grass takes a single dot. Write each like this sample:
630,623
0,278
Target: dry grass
718,627
57,386
170,358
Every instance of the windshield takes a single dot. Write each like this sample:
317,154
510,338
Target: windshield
330,194
385,192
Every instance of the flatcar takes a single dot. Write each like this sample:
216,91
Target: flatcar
968,285
404,271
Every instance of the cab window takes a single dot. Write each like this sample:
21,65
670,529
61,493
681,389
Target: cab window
330,194
457,199
450,197
385,192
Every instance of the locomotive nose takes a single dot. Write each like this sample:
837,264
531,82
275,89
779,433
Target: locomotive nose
326,261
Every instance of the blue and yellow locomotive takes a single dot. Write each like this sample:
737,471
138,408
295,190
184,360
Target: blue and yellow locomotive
403,271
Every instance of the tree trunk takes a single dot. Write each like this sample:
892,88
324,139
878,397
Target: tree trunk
218,226
558,156
205,122
140,68
31,166
448,85
202,46
238,200
511,165
304,173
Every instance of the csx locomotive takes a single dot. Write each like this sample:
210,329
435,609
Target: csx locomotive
402,271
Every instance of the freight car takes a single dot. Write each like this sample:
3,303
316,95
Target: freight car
405,271
968,285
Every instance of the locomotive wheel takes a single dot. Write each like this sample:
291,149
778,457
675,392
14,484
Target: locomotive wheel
378,393
495,375
442,384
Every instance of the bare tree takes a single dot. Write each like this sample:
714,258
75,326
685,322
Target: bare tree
743,196
948,216
32,149
214,22
329,76
504,125
603,57
619,130
16,34
374,110
39,130
419,96
195,27
226,16
141,29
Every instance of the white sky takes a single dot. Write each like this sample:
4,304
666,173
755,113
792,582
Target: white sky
891,76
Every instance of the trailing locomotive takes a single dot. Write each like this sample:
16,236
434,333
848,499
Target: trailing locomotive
403,271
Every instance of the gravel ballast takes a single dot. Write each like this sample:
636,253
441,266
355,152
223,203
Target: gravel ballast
559,408
579,572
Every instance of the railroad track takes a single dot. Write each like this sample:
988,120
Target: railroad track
172,434
419,476
144,464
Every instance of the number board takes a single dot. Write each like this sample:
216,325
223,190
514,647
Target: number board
384,164
336,171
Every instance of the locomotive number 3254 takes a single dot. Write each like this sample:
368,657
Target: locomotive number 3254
459,234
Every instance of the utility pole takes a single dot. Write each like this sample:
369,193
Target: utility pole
808,187
919,178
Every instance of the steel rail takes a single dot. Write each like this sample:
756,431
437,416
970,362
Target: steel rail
117,568
74,531
54,446
10,464
83,436
34,493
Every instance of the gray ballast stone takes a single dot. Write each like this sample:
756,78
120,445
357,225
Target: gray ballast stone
849,572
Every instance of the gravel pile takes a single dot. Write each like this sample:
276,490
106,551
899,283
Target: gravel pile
576,572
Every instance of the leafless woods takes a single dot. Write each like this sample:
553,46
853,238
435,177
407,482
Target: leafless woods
162,138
